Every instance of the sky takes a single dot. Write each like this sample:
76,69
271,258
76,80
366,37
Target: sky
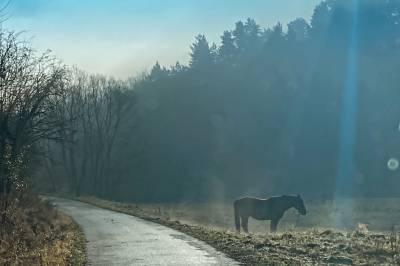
126,37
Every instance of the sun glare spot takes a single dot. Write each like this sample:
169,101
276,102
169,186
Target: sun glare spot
393,164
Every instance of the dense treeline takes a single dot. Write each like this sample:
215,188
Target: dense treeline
260,113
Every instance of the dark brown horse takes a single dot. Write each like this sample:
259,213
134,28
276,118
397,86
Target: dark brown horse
265,209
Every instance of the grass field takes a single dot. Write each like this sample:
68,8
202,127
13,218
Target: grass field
368,237
370,214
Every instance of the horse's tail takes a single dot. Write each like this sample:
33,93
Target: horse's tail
237,218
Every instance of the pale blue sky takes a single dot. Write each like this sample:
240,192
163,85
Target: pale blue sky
125,37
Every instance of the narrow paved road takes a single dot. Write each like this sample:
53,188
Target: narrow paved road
119,239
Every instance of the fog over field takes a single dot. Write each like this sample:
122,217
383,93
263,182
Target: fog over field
309,107
183,107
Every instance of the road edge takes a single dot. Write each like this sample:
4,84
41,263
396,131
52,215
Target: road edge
222,241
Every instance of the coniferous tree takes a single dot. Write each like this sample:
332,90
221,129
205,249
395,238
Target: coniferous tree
227,50
157,72
201,56
298,30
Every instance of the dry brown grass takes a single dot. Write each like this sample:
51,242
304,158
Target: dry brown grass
306,242
34,233
376,214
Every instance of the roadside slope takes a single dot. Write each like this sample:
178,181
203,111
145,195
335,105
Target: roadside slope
34,233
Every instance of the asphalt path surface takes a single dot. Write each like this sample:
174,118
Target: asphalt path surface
118,239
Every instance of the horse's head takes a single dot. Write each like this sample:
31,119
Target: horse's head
299,205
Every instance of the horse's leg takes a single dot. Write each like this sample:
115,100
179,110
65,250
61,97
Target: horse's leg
237,219
274,225
245,223
237,224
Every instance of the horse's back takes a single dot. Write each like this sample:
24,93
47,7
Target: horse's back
258,208
250,200
248,204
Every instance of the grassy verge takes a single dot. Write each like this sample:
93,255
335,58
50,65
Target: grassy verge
78,248
34,233
305,247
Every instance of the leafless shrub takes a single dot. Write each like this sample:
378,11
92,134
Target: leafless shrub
30,88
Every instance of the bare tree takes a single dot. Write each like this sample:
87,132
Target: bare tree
30,88
92,111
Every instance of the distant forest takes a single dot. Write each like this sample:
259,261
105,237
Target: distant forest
257,114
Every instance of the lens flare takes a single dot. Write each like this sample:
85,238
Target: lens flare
393,164
348,123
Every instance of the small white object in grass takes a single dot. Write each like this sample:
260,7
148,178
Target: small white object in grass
393,164
362,227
